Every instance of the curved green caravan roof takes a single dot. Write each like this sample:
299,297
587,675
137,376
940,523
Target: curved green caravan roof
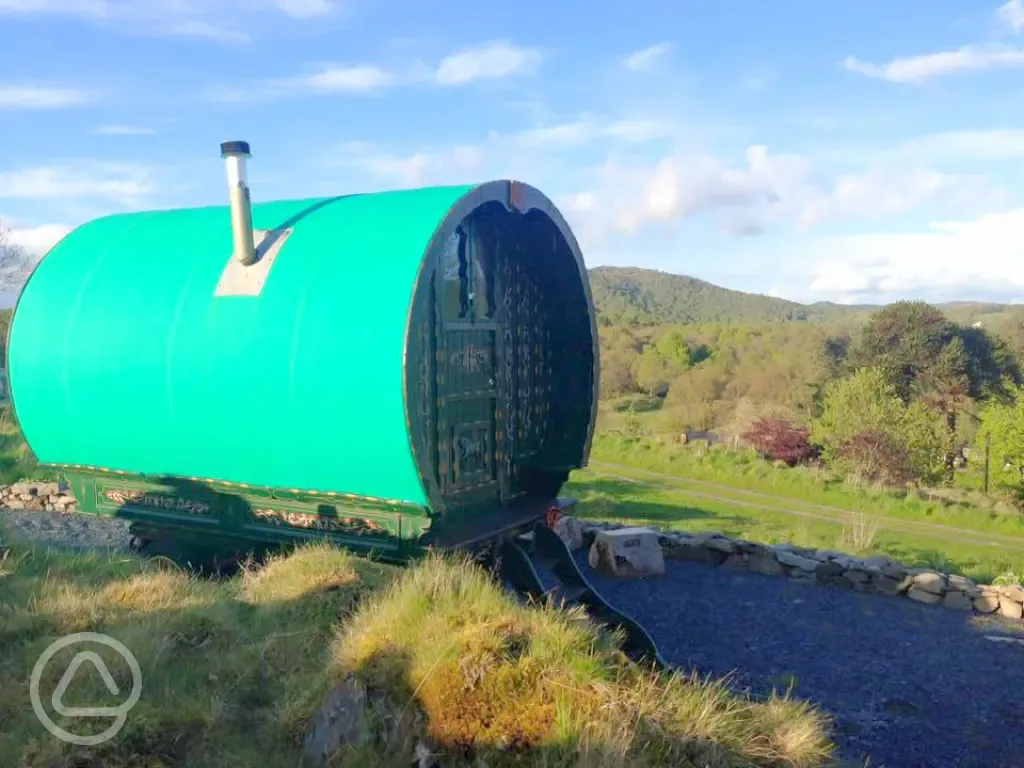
121,357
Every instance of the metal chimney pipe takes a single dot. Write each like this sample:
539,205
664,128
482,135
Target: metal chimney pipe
235,153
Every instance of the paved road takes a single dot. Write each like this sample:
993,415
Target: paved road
812,511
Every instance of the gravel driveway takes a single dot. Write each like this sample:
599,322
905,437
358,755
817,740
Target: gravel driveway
908,685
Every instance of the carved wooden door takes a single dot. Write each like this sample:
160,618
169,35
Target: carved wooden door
468,354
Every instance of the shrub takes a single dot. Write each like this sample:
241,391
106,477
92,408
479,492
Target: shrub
866,429
875,456
780,440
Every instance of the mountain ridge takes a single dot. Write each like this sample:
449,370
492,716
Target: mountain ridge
638,296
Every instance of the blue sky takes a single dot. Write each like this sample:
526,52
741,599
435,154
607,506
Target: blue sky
855,150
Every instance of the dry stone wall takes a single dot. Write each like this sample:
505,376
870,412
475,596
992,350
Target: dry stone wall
39,497
880,574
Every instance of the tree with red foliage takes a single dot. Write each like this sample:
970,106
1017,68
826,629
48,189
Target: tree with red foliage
780,440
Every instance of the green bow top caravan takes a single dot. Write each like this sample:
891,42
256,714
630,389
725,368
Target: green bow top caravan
388,370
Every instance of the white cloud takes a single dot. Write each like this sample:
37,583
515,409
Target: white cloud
28,97
918,69
964,60
218,21
124,183
765,190
647,59
121,130
490,61
586,130
883,190
992,144
359,78
975,257
38,240
628,198
1011,16
499,155
459,164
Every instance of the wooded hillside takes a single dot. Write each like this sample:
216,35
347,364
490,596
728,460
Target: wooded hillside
633,296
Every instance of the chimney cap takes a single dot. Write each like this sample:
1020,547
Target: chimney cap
235,148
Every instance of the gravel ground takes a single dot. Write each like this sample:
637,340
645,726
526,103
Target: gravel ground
908,685
68,530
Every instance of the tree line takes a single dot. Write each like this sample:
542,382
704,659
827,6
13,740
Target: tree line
894,398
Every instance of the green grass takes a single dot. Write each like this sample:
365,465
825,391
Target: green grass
746,471
234,669
643,503
16,462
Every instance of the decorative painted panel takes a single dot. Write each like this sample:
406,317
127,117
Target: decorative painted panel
528,359
473,446
470,361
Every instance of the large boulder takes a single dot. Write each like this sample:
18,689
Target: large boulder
627,553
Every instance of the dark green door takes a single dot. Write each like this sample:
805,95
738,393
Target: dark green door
468,354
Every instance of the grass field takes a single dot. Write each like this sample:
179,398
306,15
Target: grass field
742,495
233,671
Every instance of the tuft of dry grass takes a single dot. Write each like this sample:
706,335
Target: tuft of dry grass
499,683
1008,578
860,534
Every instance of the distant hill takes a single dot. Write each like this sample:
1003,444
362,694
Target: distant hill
630,295
648,297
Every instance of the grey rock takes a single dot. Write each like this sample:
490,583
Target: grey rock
930,581
923,596
890,586
877,561
961,583
1015,592
829,570
827,554
340,722
957,600
986,603
699,539
796,561
627,553
728,546
1010,608
895,571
